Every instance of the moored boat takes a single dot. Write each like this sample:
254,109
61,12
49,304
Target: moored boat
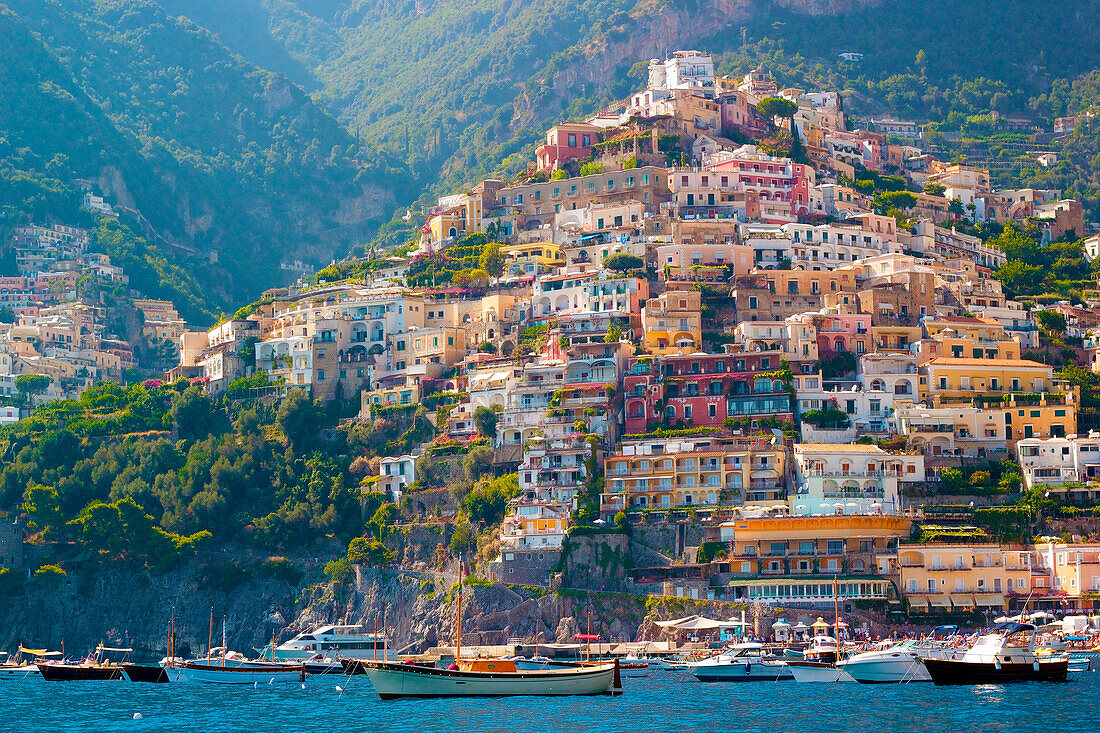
24,665
145,673
489,678
89,669
819,663
896,663
336,642
745,662
1005,654
210,673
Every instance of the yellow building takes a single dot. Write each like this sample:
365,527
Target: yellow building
960,380
535,258
458,216
673,322
812,544
663,473
964,577
885,339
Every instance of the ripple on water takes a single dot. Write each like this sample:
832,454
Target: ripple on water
668,703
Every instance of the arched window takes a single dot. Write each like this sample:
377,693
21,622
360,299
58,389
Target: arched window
878,385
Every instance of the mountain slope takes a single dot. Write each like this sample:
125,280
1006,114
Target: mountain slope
456,87
220,157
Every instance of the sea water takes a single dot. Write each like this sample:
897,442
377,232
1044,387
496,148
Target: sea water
665,702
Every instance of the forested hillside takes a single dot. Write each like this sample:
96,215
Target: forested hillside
456,88
266,132
230,168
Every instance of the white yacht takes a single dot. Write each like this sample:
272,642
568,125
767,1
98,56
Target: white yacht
742,662
819,663
898,662
336,642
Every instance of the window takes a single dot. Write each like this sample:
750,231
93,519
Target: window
836,547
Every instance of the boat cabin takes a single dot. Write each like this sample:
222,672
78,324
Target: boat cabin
487,665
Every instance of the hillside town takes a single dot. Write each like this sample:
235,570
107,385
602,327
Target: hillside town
711,306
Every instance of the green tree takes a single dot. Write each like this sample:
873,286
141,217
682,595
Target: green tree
1019,278
623,262
491,259
952,479
43,509
7,315
300,419
614,334
28,385
488,500
934,189
772,107
559,175
1051,321
485,420
194,415
364,551
478,462
591,168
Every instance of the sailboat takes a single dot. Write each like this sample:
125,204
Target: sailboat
819,663
209,671
487,677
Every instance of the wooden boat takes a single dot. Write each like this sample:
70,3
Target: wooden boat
145,673
253,674
1006,654
24,665
489,678
89,669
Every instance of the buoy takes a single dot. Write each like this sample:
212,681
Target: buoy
338,688
255,684
271,681
138,716
303,685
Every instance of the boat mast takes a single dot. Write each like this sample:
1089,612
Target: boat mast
588,641
223,641
458,636
210,634
375,644
836,611
384,634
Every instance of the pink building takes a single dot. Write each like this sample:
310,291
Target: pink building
773,179
843,332
566,142
702,390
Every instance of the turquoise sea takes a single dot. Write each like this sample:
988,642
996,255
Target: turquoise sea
665,702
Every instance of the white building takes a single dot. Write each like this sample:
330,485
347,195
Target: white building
1054,462
850,478
396,473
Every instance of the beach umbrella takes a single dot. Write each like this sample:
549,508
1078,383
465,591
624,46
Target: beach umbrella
842,625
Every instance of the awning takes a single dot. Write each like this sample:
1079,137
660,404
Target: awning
918,603
989,600
939,601
586,637
962,601
697,623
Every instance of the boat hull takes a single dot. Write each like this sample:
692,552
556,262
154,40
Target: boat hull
889,670
145,673
958,672
207,674
392,680
22,672
77,673
742,672
817,672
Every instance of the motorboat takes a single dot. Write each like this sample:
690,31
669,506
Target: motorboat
335,642
91,668
24,664
1006,654
252,674
819,663
897,662
489,678
746,662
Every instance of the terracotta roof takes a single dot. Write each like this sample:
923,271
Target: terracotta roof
968,362
839,448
